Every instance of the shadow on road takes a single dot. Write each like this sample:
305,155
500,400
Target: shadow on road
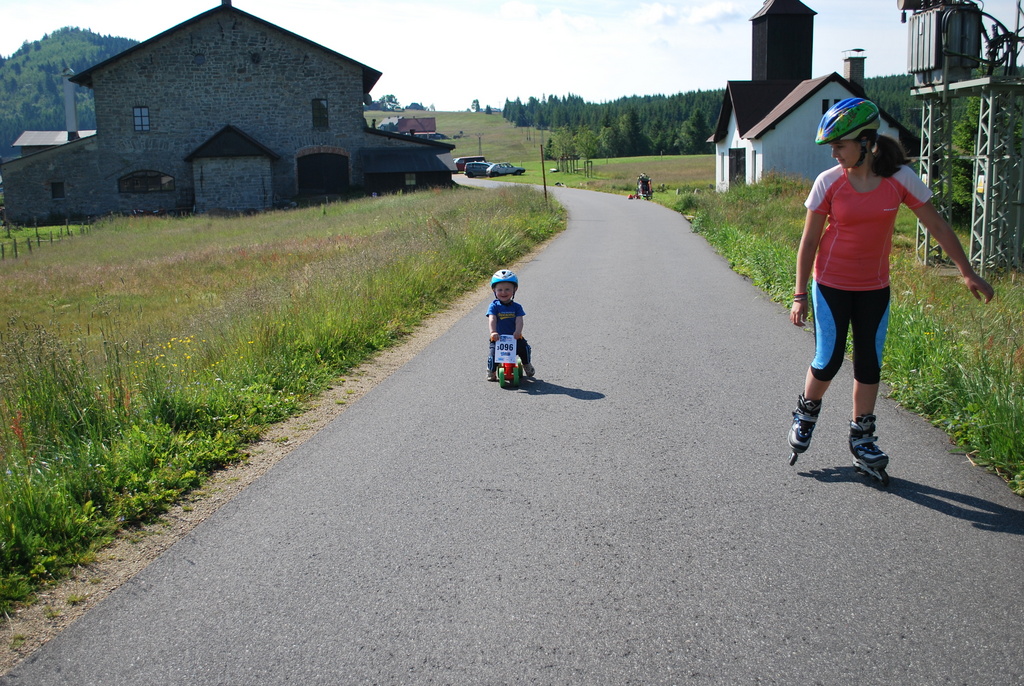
982,514
536,386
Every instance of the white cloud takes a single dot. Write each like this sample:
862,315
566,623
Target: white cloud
519,10
557,20
714,12
656,14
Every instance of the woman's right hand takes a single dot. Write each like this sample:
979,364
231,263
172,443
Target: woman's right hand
495,337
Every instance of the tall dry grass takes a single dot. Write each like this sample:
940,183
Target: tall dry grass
141,357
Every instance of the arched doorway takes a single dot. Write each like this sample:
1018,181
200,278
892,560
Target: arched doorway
322,173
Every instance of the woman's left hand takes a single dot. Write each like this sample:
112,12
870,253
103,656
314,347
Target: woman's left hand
798,313
979,287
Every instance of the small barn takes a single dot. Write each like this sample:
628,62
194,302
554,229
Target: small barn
417,125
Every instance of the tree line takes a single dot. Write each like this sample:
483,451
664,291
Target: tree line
679,124
631,126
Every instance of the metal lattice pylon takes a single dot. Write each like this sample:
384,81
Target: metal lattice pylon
936,168
998,159
998,169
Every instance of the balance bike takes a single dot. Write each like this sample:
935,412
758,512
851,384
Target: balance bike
506,362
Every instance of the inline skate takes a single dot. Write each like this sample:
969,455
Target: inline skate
804,418
868,458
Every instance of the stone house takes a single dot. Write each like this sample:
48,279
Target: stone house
223,111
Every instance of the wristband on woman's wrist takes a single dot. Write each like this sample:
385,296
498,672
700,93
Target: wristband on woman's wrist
800,297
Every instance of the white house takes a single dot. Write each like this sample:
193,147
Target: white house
769,123
749,141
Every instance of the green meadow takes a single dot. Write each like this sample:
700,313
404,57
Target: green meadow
476,133
139,357
141,354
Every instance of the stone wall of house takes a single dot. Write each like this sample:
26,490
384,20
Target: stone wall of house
29,183
229,69
89,187
233,183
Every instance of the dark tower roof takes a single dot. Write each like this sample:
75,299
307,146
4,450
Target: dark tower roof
783,7
783,41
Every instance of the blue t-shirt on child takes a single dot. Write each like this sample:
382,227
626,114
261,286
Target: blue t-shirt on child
506,315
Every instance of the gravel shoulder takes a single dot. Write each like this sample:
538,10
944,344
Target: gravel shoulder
56,608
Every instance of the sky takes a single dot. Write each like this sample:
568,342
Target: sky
448,53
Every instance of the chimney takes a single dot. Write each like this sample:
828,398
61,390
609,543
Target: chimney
225,3
853,66
70,111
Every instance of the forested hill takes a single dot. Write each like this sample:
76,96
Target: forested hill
892,94
671,124
31,85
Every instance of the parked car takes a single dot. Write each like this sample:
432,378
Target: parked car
477,169
460,162
504,169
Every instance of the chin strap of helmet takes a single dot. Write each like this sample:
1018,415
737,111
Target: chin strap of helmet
863,151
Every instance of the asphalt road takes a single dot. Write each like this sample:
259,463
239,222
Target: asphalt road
628,517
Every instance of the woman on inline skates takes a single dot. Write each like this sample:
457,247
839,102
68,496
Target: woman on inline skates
847,239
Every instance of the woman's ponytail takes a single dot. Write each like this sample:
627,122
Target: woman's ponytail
889,155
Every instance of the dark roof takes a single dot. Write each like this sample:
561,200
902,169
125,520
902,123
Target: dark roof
751,101
33,151
84,78
761,105
795,98
404,160
782,7
232,142
409,138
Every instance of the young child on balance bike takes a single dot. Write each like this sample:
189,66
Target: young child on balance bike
505,316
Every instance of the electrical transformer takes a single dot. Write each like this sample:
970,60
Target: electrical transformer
945,40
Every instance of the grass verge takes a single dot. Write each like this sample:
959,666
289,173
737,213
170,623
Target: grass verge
149,353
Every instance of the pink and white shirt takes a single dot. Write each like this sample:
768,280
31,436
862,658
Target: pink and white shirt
854,251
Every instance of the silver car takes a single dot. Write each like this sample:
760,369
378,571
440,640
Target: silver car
504,169
477,169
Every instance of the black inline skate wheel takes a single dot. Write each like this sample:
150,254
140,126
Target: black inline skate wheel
882,476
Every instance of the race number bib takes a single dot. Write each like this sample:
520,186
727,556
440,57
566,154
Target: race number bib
505,350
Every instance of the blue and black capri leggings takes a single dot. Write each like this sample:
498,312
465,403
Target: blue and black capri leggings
835,312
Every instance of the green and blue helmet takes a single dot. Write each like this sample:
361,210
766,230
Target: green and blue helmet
846,120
